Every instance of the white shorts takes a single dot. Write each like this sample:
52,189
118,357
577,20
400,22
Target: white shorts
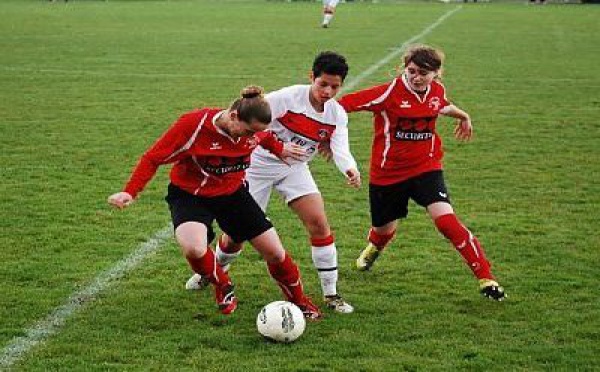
291,182
331,3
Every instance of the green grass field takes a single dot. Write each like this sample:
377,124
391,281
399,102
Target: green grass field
86,87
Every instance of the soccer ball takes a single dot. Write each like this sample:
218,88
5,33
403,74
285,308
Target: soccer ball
281,321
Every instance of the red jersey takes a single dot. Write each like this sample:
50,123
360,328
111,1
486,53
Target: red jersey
208,162
405,142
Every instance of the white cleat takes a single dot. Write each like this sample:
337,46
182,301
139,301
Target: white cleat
196,282
337,304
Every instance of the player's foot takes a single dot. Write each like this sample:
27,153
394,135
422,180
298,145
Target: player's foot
226,300
337,304
196,282
367,257
324,25
310,310
491,289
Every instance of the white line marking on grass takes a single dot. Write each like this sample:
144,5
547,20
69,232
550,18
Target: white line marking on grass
49,326
396,52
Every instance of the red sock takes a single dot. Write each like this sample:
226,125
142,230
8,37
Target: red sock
323,242
233,247
379,240
208,268
287,275
466,244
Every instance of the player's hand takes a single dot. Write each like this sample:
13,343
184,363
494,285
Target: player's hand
353,178
463,130
120,200
292,151
325,151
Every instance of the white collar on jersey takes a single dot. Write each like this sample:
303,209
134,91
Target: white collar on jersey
420,98
221,131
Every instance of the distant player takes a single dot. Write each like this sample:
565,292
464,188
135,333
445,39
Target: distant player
210,149
309,116
406,160
328,11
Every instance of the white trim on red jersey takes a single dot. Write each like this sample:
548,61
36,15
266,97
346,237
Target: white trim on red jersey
190,142
386,133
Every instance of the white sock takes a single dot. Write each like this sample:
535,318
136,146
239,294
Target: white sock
327,18
325,260
225,259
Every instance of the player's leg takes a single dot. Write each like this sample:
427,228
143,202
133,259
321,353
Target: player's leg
311,211
285,271
387,205
192,238
250,223
302,195
434,195
192,221
226,250
379,237
328,12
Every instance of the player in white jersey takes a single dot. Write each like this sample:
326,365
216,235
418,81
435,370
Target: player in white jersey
309,116
328,11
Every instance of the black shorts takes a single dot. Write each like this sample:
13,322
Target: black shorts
237,214
389,203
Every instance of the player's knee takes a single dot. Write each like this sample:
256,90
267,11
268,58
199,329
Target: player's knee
274,257
193,251
318,227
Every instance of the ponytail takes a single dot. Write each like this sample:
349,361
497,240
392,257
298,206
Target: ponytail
252,106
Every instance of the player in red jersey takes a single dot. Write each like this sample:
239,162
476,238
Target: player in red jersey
210,149
406,160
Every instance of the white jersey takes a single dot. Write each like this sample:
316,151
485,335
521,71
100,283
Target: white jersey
295,120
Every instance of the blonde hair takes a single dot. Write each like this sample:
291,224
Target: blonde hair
252,106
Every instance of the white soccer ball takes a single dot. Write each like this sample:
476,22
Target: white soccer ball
281,321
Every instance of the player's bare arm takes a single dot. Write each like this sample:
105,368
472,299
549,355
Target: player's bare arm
464,129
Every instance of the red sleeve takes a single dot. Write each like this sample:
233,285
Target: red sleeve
269,141
165,150
445,102
369,99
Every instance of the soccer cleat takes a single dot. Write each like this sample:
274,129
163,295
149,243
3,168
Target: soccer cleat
196,282
226,300
337,304
491,289
367,257
310,310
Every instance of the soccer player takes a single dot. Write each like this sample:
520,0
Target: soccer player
309,116
406,160
328,11
211,149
